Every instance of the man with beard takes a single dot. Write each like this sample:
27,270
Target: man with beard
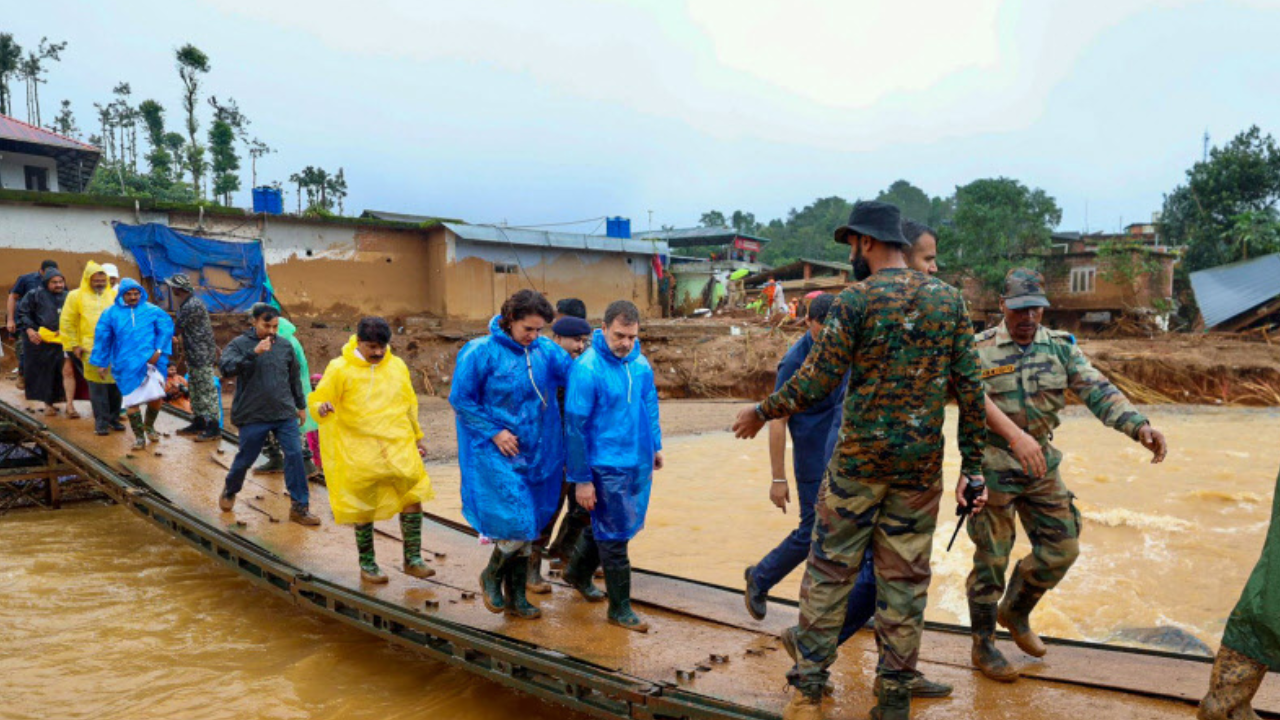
38,314
24,284
1026,370
84,307
906,342
134,339
614,444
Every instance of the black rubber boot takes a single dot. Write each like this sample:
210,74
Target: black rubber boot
211,432
581,568
491,581
536,583
515,583
1014,615
894,699
617,581
195,428
986,656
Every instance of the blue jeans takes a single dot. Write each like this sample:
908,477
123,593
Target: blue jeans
794,550
252,438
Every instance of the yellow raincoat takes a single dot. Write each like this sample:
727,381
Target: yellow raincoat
79,319
369,443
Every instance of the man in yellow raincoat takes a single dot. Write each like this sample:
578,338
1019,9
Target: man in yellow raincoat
371,445
80,314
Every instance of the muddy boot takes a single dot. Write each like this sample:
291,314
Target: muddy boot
803,706
1232,685
986,656
210,432
301,514
1014,615
516,583
491,581
369,570
149,425
617,582
536,583
195,428
757,602
274,464
411,531
921,687
894,699
139,431
580,570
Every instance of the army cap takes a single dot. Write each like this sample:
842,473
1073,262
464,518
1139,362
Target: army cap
1024,288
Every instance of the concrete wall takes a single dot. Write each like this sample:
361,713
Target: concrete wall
13,175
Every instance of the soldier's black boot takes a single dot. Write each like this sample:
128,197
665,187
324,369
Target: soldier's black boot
210,432
516,582
491,581
893,699
617,582
581,568
1014,615
986,657
196,426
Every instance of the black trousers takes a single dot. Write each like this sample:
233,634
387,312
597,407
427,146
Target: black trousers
105,399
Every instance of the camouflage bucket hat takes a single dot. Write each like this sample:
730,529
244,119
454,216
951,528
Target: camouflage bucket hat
1024,288
180,282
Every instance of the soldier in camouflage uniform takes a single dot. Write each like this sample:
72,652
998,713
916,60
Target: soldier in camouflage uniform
905,339
201,351
1026,370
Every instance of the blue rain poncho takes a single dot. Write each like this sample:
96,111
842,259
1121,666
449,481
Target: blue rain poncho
126,338
499,385
612,433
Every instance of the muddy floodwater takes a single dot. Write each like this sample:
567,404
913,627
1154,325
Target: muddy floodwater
105,617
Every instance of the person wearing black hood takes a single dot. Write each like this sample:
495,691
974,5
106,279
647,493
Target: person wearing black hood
41,309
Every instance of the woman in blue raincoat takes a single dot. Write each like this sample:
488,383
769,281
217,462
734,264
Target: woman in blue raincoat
510,441
131,336
614,444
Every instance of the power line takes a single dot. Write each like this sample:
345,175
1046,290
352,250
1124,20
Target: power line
543,225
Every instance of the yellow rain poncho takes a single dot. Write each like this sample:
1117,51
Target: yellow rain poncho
369,443
79,319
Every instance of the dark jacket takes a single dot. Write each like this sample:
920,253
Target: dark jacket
41,307
267,385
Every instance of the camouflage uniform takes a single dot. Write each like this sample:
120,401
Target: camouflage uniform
202,354
906,341
1029,386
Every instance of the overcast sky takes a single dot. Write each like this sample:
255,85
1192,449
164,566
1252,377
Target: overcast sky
558,110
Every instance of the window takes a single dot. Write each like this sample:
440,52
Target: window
1082,279
37,178
504,269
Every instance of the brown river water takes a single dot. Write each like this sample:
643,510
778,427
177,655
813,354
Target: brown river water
102,616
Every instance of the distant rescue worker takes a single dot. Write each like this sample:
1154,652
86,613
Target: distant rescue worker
80,314
510,442
201,352
38,315
113,275
274,462
1026,370
1251,643
23,285
570,307
614,444
372,445
134,337
572,333
906,342
269,398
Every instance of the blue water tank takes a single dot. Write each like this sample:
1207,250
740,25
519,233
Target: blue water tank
618,227
268,200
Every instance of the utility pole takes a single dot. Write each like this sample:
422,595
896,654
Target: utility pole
650,221
1206,145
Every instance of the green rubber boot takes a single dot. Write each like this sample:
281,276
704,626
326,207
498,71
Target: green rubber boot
1014,614
369,570
617,582
894,700
139,431
986,656
149,425
491,582
516,583
411,531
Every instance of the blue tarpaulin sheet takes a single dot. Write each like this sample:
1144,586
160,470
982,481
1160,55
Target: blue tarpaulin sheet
160,253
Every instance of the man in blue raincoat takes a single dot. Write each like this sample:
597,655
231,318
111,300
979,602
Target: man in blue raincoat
132,336
614,444
510,442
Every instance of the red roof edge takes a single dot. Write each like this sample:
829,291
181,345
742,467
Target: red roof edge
37,128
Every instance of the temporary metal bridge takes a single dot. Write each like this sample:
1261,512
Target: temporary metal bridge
704,657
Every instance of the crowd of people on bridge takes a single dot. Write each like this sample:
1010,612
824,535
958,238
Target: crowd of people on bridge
559,436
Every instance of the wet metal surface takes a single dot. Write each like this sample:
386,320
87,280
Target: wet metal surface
699,641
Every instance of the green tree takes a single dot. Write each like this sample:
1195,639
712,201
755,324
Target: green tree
160,159
227,122
999,223
713,218
807,233
192,64
1225,211
10,67
33,70
65,122
911,200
